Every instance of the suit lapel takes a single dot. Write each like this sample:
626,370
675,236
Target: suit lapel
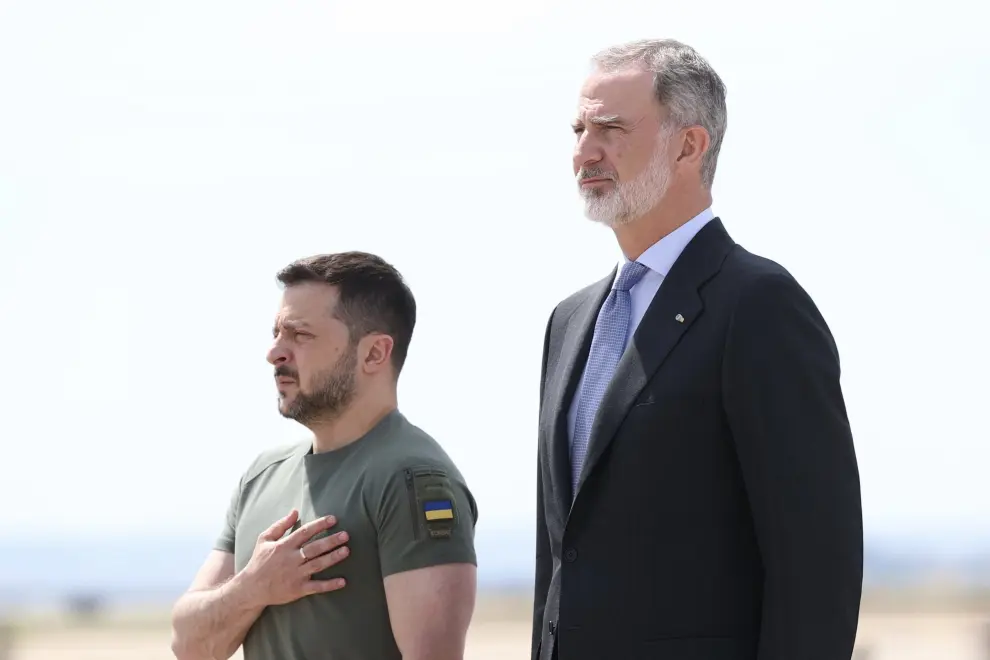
674,309
579,330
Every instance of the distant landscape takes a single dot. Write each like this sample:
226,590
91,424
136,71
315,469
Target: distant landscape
40,574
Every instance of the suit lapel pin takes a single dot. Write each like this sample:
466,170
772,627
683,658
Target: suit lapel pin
679,318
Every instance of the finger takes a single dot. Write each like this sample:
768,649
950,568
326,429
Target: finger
327,560
323,586
280,527
306,532
321,546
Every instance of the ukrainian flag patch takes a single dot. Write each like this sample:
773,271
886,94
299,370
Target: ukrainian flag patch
438,510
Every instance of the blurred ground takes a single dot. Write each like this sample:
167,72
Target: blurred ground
894,626
500,631
488,642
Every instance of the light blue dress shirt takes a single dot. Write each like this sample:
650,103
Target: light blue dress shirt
659,258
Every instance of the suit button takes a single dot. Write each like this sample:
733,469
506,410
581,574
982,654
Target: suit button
570,555
552,627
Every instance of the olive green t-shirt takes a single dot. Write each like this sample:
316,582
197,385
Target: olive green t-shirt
404,505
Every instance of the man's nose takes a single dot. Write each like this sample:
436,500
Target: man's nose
277,355
587,151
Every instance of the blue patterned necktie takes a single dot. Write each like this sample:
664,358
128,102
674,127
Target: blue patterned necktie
607,346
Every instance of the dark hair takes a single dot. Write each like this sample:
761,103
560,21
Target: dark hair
373,297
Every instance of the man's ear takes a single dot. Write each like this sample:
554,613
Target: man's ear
694,143
377,354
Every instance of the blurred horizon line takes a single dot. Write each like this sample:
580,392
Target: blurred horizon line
34,569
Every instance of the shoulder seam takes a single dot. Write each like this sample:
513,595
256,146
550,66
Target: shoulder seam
262,463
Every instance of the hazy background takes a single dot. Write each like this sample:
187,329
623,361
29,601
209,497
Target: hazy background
160,161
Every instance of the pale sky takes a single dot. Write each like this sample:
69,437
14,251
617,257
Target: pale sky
160,161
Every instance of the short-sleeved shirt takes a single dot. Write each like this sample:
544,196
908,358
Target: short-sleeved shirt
404,505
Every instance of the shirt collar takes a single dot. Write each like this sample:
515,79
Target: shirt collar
660,256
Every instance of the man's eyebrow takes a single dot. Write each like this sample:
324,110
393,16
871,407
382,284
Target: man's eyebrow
605,119
602,120
290,325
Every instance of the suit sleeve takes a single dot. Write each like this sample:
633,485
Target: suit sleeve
544,563
544,566
788,419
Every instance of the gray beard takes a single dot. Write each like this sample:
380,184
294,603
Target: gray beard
630,201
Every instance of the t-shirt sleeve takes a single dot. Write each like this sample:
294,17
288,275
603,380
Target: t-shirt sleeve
225,541
425,518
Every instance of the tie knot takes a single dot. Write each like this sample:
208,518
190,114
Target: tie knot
632,272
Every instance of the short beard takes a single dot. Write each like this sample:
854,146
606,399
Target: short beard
631,200
330,392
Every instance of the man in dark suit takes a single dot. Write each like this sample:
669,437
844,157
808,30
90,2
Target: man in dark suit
698,491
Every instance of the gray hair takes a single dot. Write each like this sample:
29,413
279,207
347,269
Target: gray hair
684,83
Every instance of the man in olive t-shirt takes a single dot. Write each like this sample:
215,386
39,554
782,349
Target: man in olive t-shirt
404,506
357,544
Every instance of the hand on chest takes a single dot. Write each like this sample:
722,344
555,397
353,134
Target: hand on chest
347,508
